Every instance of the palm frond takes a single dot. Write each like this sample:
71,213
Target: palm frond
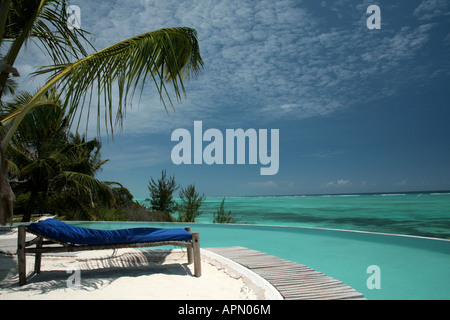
166,55
13,168
84,183
61,43
4,12
46,116
45,21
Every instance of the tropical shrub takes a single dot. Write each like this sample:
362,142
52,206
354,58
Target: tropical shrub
190,203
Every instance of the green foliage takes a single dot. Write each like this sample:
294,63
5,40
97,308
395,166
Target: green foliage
191,201
57,168
132,212
20,204
223,217
122,196
161,193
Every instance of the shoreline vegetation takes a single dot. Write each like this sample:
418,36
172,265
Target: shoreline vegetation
122,207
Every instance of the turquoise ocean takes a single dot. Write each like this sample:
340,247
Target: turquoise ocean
424,214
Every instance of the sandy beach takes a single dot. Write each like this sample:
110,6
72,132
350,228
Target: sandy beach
125,274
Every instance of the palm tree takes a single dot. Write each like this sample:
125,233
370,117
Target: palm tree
166,55
85,154
47,160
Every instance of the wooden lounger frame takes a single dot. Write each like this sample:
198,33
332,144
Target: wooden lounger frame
193,249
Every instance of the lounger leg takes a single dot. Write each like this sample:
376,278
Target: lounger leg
189,249
21,255
189,255
38,257
196,252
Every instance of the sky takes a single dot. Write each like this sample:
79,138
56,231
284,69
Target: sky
357,109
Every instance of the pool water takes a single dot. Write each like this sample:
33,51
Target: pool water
410,267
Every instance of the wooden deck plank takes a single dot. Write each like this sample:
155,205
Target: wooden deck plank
294,281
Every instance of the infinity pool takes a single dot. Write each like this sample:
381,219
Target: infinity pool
410,267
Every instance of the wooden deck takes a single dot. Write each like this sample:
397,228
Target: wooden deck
294,281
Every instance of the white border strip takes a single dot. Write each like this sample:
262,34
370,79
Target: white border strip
270,292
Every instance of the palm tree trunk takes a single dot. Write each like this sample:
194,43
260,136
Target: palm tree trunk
30,205
6,195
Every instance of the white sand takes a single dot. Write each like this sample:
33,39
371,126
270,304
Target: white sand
129,274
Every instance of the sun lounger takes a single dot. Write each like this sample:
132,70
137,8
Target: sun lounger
54,236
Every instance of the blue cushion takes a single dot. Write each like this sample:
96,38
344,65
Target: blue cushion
67,233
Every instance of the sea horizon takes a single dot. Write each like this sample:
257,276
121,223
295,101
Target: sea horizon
416,213
322,194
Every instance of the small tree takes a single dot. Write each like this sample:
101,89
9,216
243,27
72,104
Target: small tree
161,193
221,216
191,201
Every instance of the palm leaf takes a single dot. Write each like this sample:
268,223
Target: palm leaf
166,55
162,56
84,183
42,119
4,11
13,168
44,21
10,86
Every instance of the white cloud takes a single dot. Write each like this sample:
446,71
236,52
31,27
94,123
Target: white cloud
267,60
429,9
267,184
364,183
338,183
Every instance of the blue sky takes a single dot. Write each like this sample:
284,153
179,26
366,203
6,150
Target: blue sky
358,110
